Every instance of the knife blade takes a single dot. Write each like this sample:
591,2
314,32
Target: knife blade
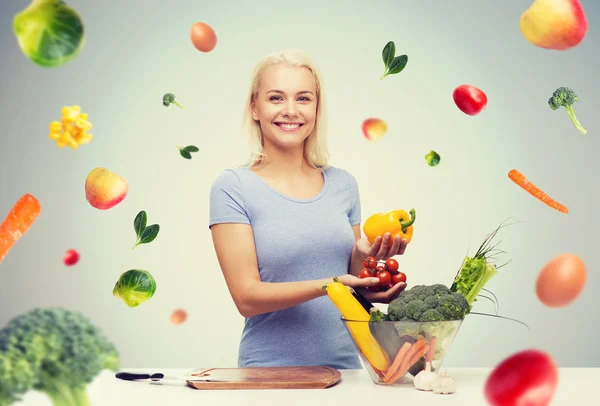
158,377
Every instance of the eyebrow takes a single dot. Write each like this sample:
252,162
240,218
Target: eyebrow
281,92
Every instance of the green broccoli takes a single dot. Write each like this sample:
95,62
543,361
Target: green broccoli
54,351
169,98
428,303
377,315
566,97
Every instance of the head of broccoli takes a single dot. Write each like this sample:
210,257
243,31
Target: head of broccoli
428,303
54,351
169,98
566,97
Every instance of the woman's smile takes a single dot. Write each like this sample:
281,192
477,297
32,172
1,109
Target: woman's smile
289,127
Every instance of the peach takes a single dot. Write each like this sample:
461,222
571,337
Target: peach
554,24
374,129
105,189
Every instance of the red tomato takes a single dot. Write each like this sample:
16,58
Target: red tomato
527,378
392,265
398,277
469,99
370,262
203,37
384,278
71,257
380,268
365,273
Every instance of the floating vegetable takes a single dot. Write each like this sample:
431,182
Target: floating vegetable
186,151
17,222
169,98
71,257
469,99
144,234
566,97
432,158
444,384
393,65
561,281
73,128
179,316
396,222
203,37
520,180
374,129
425,379
135,287
49,32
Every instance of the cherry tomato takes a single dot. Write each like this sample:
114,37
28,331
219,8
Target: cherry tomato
398,277
528,377
71,257
365,273
469,99
374,288
380,268
370,262
384,278
392,265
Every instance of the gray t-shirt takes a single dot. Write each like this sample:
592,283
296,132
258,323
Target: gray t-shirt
296,239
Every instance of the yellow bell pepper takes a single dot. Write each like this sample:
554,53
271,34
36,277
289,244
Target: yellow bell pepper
396,222
351,309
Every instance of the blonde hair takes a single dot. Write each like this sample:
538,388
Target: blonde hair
315,146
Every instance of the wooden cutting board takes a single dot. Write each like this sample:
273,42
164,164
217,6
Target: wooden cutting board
318,377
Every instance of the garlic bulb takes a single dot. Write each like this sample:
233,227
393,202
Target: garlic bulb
425,378
444,384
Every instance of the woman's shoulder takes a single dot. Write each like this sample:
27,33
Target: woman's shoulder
231,177
338,173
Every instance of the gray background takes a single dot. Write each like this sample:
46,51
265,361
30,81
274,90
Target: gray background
138,50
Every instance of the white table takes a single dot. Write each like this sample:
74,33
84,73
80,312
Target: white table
355,388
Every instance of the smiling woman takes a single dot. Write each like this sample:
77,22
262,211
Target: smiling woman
287,223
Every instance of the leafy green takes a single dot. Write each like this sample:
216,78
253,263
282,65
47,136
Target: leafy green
169,98
49,32
393,64
145,234
186,151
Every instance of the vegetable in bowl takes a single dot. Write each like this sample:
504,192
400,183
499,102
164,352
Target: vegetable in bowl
49,32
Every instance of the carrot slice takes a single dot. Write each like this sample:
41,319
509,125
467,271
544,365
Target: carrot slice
413,360
520,179
398,360
19,219
431,352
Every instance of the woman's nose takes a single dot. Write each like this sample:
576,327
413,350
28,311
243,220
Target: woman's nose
290,109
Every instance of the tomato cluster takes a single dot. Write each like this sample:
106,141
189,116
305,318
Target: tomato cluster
386,271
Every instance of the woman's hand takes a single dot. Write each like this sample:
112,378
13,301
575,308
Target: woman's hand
373,297
382,247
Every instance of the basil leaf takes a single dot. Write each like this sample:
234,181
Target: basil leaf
149,234
185,154
398,64
388,53
139,224
191,148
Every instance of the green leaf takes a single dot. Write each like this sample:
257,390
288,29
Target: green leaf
185,154
398,64
388,53
149,234
191,148
139,224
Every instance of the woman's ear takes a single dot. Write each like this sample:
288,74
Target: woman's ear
253,111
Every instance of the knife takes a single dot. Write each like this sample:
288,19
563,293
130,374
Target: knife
158,377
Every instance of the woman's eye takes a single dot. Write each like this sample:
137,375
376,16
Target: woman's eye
305,98
275,97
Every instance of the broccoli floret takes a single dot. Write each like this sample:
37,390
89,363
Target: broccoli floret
432,315
54,351
412,304
566,97
453,306
378,315
169,98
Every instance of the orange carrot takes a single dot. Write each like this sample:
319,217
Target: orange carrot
398,360
405,359
431,351
19,219
518,178
413,360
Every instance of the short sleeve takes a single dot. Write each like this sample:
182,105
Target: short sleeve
354,213
227,203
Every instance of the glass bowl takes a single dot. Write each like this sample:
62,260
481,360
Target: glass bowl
394,352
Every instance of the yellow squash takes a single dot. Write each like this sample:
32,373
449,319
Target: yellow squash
351,309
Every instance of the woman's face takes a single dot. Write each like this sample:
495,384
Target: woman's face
286,106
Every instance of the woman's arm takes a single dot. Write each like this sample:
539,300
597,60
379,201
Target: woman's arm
236,252
356,261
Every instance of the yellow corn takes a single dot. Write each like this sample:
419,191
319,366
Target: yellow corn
351,309
72,128
54,136
55,126
84,140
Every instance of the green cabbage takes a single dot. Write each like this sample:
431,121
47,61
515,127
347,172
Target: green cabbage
135,287
49,32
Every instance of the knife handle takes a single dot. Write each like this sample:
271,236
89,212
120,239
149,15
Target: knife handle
128,376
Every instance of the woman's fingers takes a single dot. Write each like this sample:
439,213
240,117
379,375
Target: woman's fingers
393,250
402,247
375,246
384,246
387,296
